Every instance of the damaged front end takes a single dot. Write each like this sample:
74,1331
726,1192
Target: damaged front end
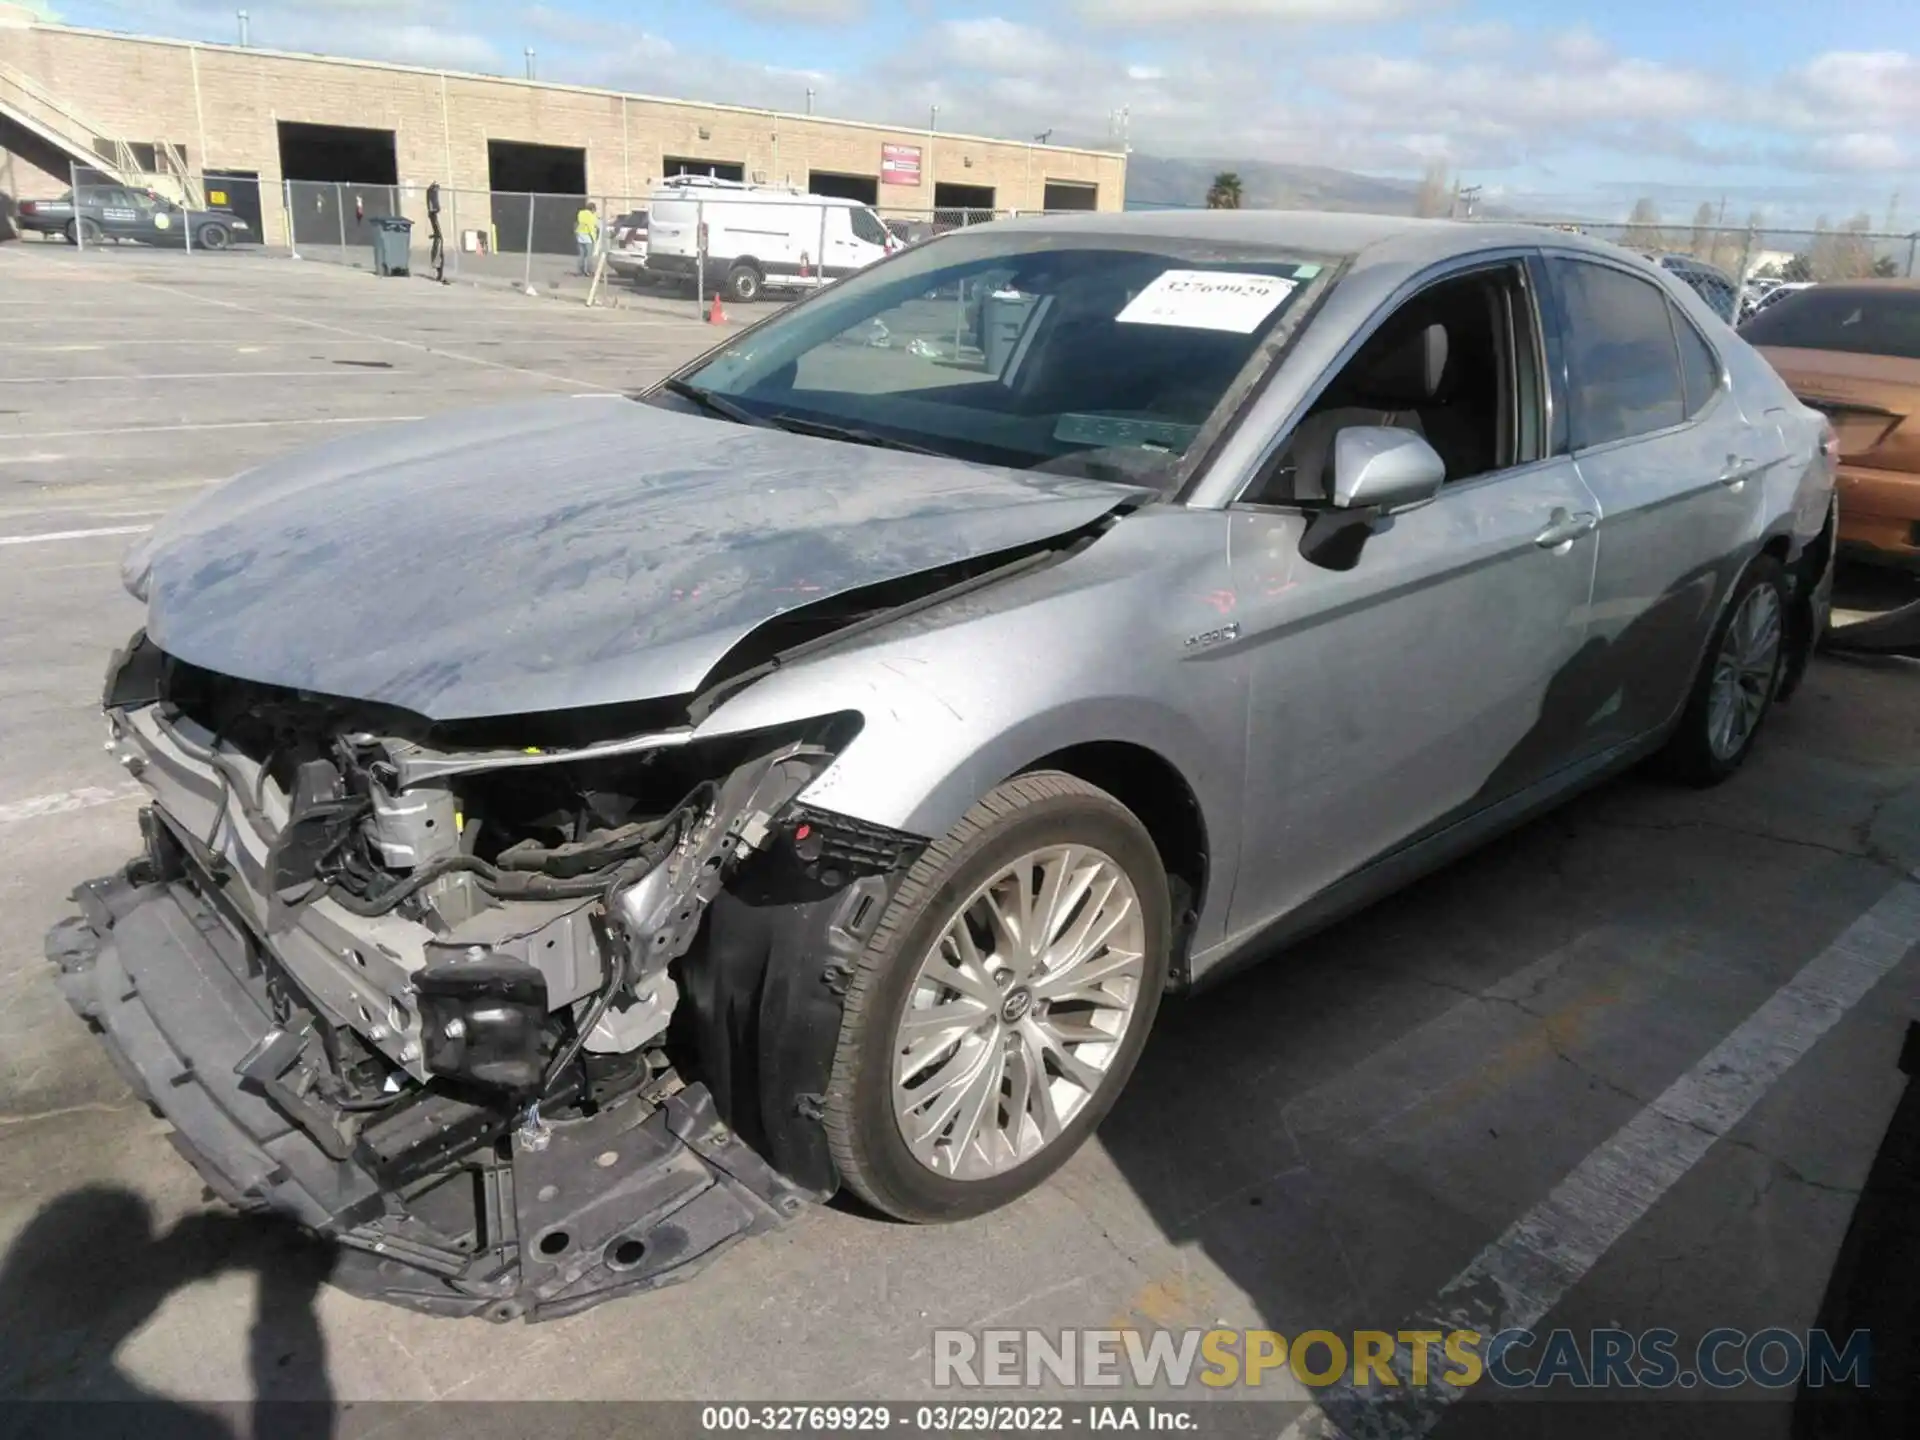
519,1026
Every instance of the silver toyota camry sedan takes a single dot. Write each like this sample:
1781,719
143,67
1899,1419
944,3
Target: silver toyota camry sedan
581,834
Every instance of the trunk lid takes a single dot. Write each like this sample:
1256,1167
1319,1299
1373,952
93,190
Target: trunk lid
1869,400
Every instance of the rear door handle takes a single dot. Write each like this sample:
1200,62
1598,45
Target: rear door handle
1739,471
1564,528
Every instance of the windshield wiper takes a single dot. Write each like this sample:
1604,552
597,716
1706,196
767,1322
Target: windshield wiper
852,434
712,403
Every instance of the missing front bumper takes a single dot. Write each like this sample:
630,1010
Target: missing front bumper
438,1206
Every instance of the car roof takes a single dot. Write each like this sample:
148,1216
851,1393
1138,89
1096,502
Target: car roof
1867,287
1385,237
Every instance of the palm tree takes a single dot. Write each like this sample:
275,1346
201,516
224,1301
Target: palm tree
1224,193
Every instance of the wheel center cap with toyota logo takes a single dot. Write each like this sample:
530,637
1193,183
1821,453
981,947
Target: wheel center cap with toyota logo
1016,1006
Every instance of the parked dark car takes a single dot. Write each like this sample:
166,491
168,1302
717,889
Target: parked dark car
124,212
1709,282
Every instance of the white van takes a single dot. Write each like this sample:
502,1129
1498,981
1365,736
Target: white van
758,237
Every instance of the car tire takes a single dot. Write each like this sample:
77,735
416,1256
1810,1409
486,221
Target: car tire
1738,680
744,284
213,237
1012,831
88,232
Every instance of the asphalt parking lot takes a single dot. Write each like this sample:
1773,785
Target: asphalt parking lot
1359,1134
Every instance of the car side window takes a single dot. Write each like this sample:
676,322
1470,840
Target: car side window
1458,364
867,227
1623,365
1699,364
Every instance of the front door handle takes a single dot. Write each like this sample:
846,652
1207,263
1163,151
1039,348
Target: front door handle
1564,528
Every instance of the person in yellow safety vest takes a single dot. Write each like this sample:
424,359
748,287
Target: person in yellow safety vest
586,235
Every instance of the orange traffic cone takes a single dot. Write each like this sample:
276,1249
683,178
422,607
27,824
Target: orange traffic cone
716,315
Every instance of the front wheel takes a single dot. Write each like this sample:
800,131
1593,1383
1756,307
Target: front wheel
1002,1002
1738,679
743,284
213,237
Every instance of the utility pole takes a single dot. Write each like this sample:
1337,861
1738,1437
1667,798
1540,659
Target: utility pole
529,62
242,17
1470,194
809,99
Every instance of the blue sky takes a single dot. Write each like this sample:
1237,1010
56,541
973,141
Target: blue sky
1795,110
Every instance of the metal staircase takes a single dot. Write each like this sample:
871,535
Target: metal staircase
35,107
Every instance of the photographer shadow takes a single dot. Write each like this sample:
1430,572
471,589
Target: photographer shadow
88,1272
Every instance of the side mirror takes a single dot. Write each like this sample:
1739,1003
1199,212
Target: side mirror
1382,467
1377,470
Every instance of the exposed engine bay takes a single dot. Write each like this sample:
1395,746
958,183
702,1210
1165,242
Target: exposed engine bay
454,987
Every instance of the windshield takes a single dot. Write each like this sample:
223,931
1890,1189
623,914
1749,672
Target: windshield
1081,353
1861,322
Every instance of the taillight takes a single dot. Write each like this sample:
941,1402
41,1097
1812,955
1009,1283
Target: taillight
27,207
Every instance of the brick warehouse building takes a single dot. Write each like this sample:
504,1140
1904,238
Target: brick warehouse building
257,118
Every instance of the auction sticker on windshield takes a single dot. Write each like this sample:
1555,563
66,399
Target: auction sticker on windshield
1207,300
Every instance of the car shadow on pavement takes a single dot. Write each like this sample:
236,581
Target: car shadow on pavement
88,1272
1267,1181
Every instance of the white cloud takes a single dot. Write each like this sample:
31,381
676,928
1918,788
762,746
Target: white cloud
1492,111
1860,150
440,33
831,11
1192,12
430,45
1000,46
1579,46
1853,89
1482,38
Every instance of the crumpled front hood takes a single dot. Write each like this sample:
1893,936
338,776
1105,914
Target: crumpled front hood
565,553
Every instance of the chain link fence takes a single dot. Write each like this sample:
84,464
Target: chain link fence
1736,270
166,209
744,245
1814,256
749,244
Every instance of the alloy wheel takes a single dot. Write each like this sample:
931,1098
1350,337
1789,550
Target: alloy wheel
1017,1012
1744,671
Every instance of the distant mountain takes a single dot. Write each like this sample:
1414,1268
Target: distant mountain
1266,185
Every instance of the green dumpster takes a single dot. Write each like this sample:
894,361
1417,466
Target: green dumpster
392,239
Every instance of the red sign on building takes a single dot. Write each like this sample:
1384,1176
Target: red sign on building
899,164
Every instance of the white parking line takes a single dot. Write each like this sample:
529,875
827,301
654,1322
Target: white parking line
122,342
45,536
85,798
220,425
102,501
1519,1278
343,371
